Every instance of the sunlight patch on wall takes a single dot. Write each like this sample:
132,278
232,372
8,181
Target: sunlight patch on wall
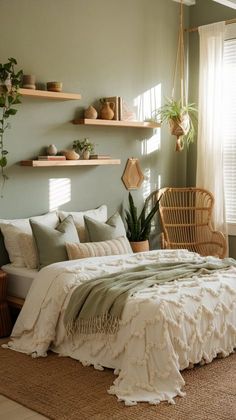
158,186
147,183
152,144
59,192
148,102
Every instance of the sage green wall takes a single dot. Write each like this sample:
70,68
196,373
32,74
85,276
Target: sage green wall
205,12
98,48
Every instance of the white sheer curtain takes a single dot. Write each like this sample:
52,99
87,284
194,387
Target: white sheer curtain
210,106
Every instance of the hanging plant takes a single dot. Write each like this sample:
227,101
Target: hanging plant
179,113
10,81
181,121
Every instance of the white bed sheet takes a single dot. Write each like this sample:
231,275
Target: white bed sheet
19,280
163,329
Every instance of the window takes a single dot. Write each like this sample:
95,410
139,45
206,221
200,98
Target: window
229,124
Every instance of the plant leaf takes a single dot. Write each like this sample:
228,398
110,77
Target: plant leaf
3,162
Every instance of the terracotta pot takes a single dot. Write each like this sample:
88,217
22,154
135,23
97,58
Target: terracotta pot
140,246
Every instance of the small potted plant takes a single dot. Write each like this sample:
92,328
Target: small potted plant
83,147
139,227
180,118
10,81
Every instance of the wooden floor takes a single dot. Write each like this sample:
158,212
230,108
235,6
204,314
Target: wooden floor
10,410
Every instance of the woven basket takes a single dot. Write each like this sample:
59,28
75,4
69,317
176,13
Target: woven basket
180,127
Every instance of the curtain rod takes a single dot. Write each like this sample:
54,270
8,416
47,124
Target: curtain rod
227,22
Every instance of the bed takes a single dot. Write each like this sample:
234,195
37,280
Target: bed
19,280
163,330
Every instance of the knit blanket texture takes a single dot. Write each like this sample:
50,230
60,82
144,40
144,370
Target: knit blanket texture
96,306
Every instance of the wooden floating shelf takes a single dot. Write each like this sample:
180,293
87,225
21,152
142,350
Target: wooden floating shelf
116,123
89,162
48,94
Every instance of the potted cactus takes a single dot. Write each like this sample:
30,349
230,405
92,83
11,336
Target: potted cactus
139,227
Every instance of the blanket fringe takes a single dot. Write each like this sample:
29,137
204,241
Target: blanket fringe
104,324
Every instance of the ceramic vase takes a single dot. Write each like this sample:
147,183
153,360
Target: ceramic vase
52,150
107,111
71,154
91,113
86,154
29,81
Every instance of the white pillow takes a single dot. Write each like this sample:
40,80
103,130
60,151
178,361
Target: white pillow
99,214
28,250
11,229
116,246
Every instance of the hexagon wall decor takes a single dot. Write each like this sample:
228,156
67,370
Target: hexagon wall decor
132,176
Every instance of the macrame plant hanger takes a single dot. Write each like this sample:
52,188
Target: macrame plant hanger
180,127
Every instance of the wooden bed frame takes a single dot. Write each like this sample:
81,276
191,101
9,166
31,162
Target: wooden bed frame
15,302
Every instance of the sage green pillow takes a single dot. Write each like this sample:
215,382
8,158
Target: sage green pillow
50,242
98,231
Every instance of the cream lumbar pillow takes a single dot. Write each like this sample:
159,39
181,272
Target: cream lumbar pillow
99,214
97,231
98,249
28,250
11,229
11,234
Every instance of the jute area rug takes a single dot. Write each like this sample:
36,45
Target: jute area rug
62,389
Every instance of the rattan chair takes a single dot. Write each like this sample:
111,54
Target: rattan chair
185,215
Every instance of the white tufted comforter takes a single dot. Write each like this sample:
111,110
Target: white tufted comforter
164,329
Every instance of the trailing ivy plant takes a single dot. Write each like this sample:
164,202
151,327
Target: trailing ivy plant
10,81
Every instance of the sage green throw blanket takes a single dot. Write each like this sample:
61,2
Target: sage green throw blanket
96,306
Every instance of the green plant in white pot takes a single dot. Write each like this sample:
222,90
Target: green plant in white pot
83,147
10,81
181,121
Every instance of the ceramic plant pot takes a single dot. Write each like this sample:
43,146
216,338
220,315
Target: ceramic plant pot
86,154
140,246
54,86
29,81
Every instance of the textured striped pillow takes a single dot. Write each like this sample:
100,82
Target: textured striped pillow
98,249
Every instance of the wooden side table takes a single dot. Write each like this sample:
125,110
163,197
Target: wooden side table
5,319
